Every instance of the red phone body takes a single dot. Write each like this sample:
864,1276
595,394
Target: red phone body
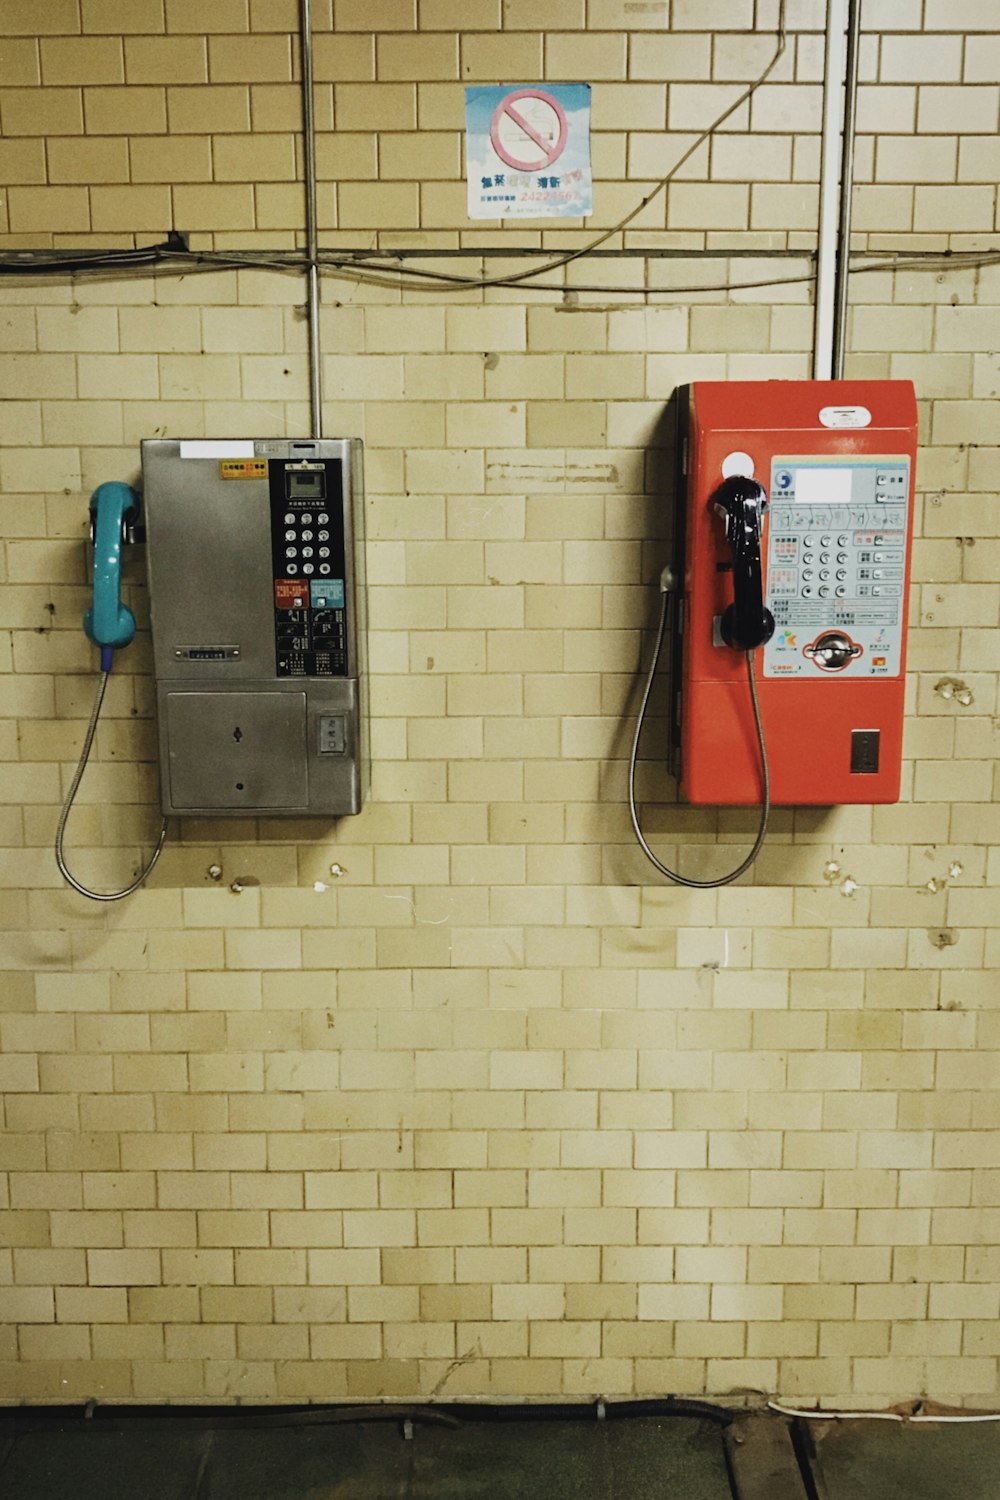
837,461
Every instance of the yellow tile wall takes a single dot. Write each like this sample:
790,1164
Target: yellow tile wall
455,1098
107,93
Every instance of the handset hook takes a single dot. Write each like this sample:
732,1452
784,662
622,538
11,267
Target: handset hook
746,623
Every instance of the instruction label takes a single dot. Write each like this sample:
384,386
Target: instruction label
243,468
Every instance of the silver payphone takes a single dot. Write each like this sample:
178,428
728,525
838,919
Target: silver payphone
255,554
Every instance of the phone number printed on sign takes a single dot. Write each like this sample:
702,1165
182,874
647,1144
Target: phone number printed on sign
527,151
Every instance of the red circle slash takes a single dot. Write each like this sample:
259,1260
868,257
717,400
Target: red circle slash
550,150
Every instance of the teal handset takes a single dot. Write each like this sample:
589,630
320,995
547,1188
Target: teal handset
110,624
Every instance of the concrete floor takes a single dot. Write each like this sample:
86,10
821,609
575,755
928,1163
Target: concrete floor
640,1450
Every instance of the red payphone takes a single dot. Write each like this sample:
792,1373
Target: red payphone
794,540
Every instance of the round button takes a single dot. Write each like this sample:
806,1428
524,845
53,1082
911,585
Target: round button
841,572
323,518
324,567
324,552
807,557
292,568
842,541
823,572
808,592
307,552
808,541
840,591
807,574
824,592
824,541
841,556
307,536
324,536
291,552
289,517
307,568
289,536
306,517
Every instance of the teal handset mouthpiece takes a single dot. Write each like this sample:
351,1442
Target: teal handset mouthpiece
109,623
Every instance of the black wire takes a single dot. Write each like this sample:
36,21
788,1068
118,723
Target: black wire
169,260
453,1414
218,1418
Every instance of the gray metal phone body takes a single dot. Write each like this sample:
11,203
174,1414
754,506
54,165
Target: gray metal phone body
255,552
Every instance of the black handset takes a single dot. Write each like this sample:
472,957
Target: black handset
746,623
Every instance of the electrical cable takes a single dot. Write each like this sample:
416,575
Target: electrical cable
71,797
765,807
371,271
131,264
881,1416
452,1415
605,1409
390,277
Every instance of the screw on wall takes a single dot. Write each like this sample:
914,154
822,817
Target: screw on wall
215,872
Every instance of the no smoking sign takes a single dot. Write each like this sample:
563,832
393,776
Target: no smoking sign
526,119
528,151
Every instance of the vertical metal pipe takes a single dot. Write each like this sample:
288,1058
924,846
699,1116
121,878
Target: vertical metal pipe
312,245
846,188
829,189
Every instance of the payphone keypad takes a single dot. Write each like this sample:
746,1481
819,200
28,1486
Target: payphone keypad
307,547
836,563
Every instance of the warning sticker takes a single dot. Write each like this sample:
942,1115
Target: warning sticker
527,151
243,468
290,595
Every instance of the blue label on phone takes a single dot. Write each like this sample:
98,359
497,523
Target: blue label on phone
326,593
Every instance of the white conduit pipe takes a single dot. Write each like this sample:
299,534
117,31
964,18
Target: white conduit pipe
846,188
312,241
814,1415
829,189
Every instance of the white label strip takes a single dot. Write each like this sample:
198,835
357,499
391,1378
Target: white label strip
845,416
224,448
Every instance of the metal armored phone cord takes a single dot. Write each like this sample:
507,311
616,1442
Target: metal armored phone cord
88,740
765,809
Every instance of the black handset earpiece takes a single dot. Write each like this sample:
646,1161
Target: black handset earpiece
746,623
